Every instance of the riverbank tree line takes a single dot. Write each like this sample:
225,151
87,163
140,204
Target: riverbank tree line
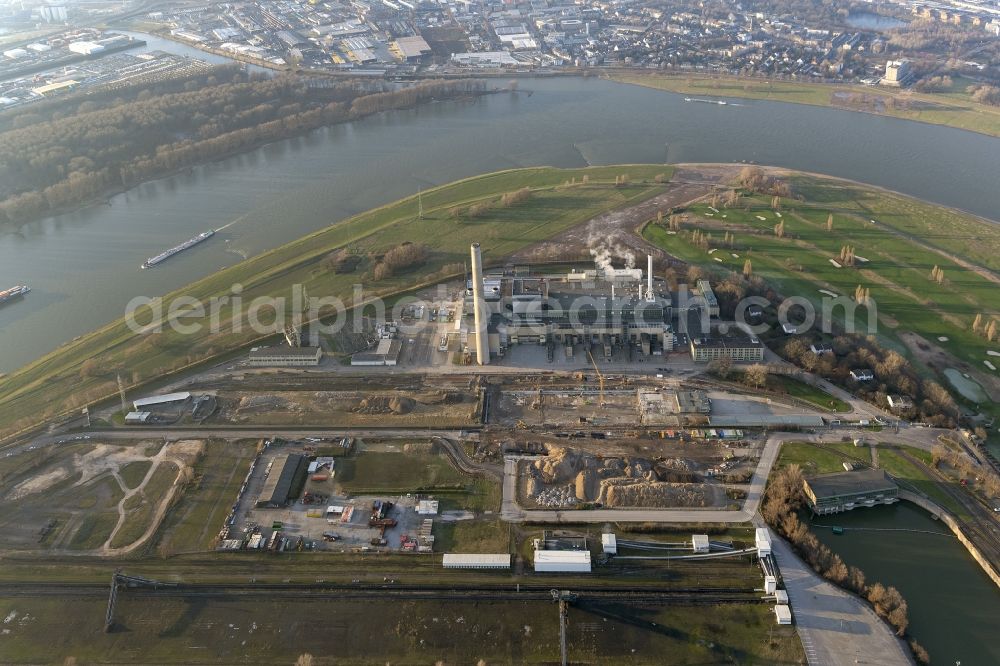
783,500
49,161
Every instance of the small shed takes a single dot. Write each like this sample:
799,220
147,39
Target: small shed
783,613
137,418
427,507
609,543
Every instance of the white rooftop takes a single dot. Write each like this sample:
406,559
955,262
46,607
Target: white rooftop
160,399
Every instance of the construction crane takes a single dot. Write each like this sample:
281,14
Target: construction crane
563,598
600,377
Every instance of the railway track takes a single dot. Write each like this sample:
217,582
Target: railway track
318,591
980,527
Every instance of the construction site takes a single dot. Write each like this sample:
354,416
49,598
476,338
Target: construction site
576,477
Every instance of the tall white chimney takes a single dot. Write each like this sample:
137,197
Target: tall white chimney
479,305
649,278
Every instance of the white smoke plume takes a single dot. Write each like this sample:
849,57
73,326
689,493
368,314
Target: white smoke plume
604,250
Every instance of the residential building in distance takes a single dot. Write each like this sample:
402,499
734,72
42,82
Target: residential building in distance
897,73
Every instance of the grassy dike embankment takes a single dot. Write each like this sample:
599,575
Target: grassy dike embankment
953,108
84,371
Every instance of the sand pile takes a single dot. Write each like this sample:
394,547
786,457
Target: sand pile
622,492
380,404
559,466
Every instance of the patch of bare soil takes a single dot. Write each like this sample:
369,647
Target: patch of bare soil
617,231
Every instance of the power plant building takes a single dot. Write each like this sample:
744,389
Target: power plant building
843,491
602,307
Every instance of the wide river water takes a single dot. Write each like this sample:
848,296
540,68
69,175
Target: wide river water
954,607
83,267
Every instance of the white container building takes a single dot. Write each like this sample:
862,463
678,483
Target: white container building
476,561
763,539
783,613
562,561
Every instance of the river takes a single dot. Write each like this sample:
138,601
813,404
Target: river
954,607
877,22
83,267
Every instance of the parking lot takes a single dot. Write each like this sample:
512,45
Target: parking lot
307,516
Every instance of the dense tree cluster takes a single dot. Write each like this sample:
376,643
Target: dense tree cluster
50,161
964,465
985,94
934,83
893,375
399,258
755,180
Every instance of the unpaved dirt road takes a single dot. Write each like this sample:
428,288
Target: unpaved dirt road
618,228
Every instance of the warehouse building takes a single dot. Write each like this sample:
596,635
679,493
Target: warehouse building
285,469
411,48
161,400
386,353
833,493
282,357
476,561
562,561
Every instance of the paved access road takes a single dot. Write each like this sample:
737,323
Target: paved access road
836,628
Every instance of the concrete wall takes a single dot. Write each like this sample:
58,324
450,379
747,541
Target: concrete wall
950,521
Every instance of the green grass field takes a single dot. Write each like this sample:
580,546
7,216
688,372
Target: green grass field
790,386
810,394
904,470
471,536
821,460
226,631
384,472
141,507
133,473
193,523
954,107
380,473
55,384
898,270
